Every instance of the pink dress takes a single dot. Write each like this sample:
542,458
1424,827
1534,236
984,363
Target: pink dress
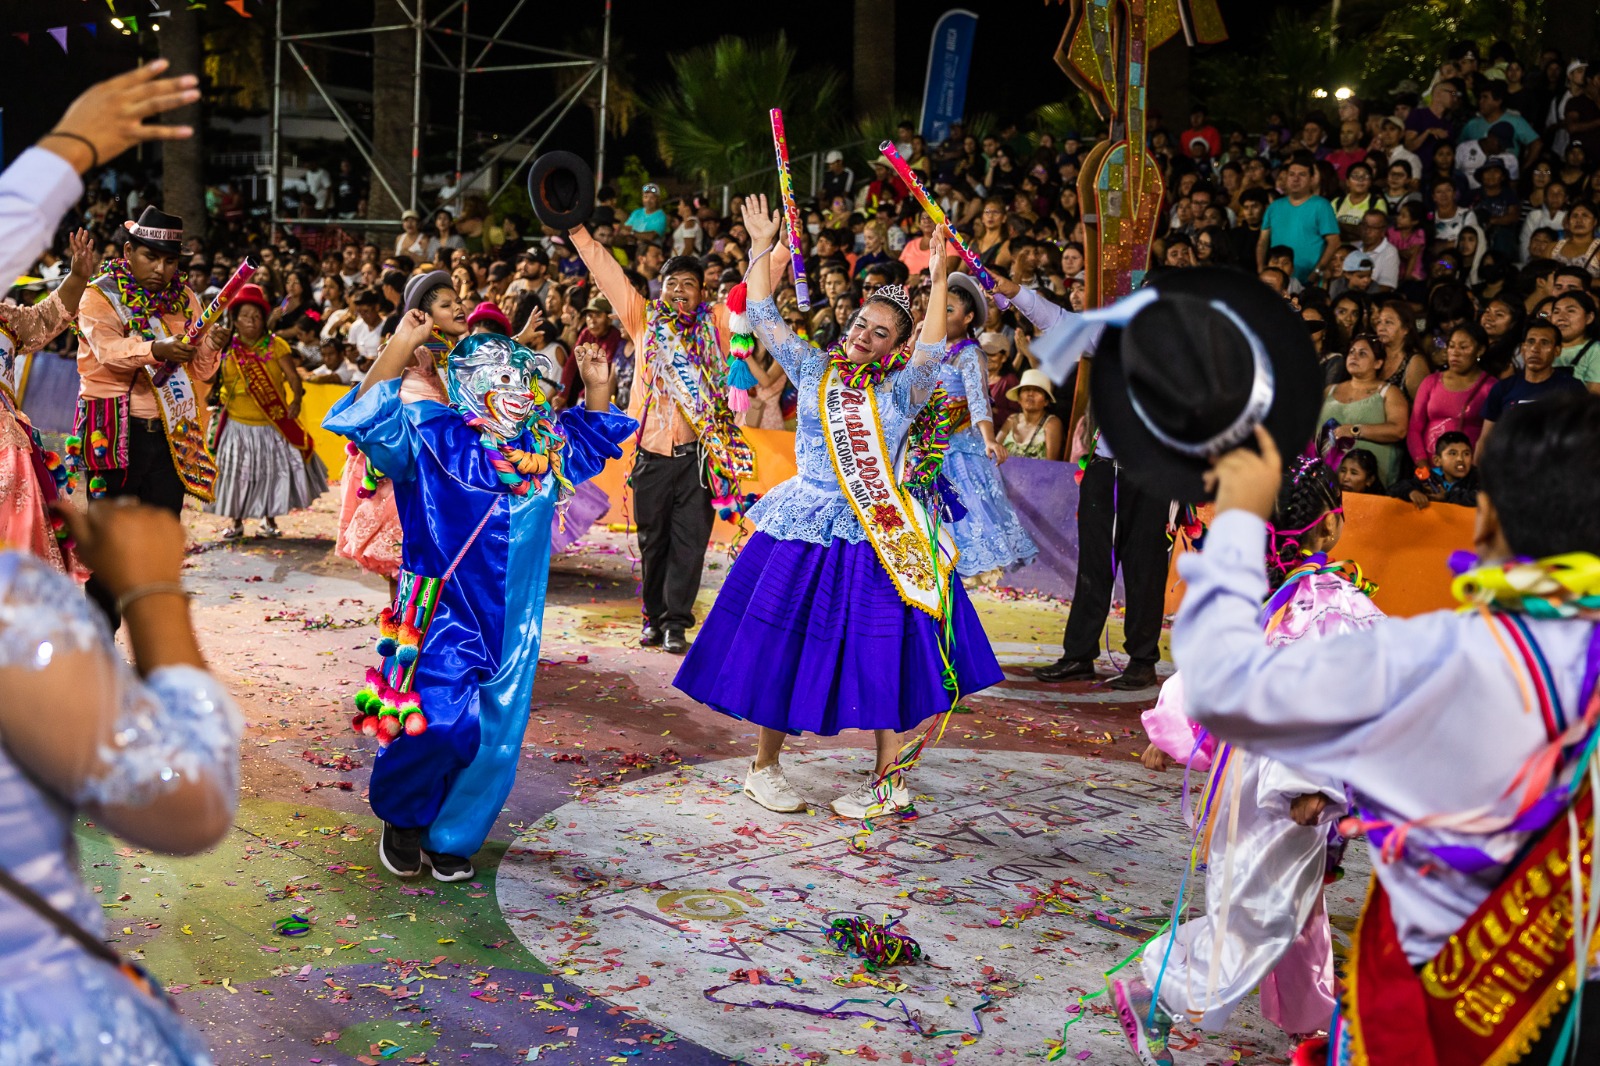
1439,410
27,487
369,529
1274,928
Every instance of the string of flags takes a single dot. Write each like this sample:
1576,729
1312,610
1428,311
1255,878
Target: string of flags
126,23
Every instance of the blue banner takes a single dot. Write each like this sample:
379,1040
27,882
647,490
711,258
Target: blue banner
944,95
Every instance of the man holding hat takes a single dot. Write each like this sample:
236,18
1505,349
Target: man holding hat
139,405
691,454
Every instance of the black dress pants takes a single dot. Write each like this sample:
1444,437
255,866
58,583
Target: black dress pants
1122,526
152,479
672,508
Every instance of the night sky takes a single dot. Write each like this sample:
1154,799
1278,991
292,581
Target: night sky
1012,66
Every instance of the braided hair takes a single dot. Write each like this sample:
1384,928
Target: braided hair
1310,490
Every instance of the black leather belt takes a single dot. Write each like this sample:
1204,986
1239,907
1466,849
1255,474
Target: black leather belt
147,425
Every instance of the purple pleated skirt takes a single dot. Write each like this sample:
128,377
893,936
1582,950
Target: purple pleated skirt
811,639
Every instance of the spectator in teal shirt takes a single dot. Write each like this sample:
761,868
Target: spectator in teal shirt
1301,221
649,218
1491,110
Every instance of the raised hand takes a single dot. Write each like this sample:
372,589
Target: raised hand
594,366
535,320
1246,480
760,221
108,118
84,257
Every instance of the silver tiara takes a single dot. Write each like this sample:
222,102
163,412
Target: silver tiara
895,295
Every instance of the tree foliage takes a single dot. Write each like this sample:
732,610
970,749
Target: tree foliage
711,124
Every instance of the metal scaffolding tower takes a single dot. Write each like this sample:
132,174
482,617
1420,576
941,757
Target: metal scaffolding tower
432,34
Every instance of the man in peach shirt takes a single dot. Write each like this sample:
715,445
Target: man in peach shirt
132,318
672,500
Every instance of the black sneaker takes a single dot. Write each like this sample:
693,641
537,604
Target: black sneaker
650,637
1136,676
449,867
674,643
1064,669
400,850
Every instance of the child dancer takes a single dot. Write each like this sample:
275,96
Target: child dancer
988,536
369,524
816,631
1264,829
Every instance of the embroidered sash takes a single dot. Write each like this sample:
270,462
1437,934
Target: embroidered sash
1505,975
1495,985
730,459
179,403
896,524
268,395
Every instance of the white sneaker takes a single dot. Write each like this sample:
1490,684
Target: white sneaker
770,788
863,803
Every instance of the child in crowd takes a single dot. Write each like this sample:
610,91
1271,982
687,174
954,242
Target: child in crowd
1264,832
1450,479
1358,473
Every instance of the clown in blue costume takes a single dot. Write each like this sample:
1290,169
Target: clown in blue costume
988,534
477,484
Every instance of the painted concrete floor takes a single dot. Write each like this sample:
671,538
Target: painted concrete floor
633,906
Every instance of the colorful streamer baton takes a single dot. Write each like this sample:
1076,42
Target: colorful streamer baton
193,332
791,213
974,265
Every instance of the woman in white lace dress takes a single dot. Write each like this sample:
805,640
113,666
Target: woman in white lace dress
150,752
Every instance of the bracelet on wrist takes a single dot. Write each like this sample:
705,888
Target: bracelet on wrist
94,153
154,588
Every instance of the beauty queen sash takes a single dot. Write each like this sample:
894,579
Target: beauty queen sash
269,396
896,524
179,403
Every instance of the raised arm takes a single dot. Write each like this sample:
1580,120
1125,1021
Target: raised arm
607,274
399,352
771,330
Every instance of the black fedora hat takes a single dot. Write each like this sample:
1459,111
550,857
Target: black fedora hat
1208,356
158,231
561,186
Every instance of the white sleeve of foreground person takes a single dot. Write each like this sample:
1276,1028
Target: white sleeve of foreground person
36,191
1420,716
1424,715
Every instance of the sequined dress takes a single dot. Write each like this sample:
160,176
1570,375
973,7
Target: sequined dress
989,535
58,1005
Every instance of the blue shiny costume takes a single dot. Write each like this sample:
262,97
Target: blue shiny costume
989,534
476,667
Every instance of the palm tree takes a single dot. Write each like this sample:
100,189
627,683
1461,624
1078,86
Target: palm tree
622,98
711,124
392,69
873,56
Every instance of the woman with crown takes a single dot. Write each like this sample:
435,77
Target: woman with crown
841,612
476,483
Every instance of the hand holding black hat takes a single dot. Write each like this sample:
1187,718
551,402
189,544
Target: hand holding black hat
1248,479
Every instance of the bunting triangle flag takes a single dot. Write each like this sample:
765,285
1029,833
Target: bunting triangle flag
94,30
23,37
59,33
238,5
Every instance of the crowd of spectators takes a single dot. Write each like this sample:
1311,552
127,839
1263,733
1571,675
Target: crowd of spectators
1440,242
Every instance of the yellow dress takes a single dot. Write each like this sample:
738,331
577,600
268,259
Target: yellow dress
259,473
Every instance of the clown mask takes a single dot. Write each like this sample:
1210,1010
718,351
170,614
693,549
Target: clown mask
494,382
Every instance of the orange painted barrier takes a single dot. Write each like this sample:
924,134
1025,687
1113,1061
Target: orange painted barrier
1404,550
1401,548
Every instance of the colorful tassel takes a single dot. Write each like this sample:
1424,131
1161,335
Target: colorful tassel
97,487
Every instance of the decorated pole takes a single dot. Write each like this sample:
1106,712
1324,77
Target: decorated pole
974,265
791,213
193,332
